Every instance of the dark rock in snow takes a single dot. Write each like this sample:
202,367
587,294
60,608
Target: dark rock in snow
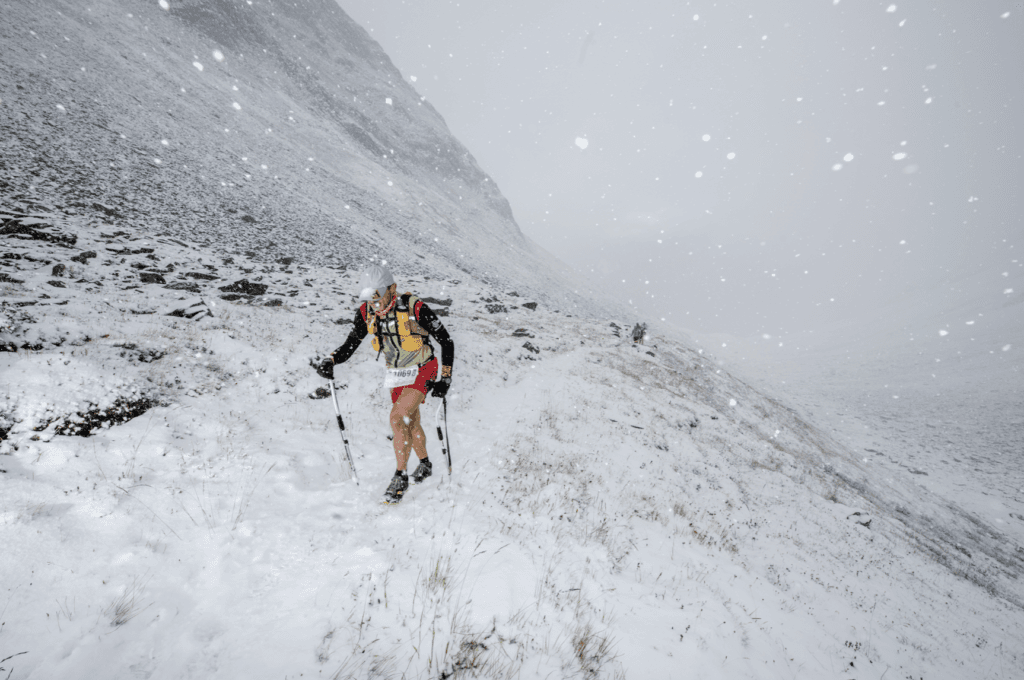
123,410
245,287
497,309
84,257
201,275
150,277
184,285
435,301
532,306
273,303
4,278
190,308
106,210
530,348
59,270
57,284
16,229
521,333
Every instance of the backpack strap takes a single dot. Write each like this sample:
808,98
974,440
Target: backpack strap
409,302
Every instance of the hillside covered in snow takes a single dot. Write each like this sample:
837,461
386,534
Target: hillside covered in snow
274,128
173,502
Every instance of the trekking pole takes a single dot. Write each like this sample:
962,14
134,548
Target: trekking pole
344,437
445,442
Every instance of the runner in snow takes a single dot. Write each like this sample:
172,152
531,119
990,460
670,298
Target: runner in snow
401,326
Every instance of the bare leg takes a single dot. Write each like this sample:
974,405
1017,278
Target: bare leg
406,428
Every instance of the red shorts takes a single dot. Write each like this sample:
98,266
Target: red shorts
428,371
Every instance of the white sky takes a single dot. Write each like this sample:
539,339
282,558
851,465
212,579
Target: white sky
925,99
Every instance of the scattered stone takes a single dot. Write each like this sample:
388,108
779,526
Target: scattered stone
861,519
496,309
57,284
521,333
321,393
233,297
248,218
146,356
14,227
530,348
185,286
190,308
108,211
58,270
245,287
532,306
150,277
84,258
285,260
123,410
4,278
201,276
273,303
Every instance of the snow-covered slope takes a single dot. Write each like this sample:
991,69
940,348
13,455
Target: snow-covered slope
275,128
172,502
613,511
931,383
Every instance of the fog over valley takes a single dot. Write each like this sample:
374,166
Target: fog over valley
741,167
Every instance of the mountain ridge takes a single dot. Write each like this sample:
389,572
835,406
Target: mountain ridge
204,122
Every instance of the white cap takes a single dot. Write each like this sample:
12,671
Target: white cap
374,279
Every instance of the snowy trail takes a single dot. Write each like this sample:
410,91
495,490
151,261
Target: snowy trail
614,511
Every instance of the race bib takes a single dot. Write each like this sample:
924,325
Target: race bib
400,377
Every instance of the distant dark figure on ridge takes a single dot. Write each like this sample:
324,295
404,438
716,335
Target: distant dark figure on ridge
639,333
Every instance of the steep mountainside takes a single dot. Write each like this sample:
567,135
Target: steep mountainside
278,128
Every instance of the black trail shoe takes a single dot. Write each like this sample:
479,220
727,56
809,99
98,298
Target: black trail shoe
396,490
423,470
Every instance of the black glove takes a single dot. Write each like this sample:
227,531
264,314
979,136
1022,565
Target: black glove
325,368
441,387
